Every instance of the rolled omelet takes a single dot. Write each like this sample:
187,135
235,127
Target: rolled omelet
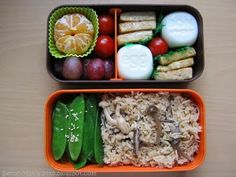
133,37
176,65
180,74
137,16
180,54
136,26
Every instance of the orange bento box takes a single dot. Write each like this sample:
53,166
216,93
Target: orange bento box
68,167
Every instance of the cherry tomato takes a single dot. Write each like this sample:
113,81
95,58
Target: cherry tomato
106,24
158,46
105,46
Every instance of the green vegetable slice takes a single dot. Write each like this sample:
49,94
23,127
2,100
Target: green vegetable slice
59,130
98,144
89,124
76,124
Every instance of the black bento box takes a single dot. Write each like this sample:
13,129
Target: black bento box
198,66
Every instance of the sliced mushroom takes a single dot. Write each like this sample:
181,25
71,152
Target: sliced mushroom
117,121
136,141
123,125
175,144
103,104
110,120
170,111
154,112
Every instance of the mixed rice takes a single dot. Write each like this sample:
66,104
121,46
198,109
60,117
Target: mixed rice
132,134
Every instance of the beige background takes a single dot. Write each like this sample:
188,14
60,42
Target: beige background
25,85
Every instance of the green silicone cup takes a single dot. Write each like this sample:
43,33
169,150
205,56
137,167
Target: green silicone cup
57,14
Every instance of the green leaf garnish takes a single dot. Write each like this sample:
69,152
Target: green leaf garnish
159,24
146,40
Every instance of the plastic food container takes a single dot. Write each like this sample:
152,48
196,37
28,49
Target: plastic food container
115,10
68,167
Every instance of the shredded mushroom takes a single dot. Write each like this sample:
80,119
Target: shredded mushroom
136,141
153,111
118,120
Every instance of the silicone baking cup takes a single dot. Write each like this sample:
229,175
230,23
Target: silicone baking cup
57,14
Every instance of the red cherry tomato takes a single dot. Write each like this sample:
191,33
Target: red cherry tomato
105,46
106,24
158,46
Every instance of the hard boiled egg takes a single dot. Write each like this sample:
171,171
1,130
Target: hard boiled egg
179,29
135,62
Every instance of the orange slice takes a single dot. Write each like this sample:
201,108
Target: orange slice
73,34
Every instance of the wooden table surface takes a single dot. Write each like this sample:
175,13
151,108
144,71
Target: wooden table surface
25,85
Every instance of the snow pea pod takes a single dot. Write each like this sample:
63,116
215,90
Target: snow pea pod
89,123
76,124
59,130
82,162
87,152
98,144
